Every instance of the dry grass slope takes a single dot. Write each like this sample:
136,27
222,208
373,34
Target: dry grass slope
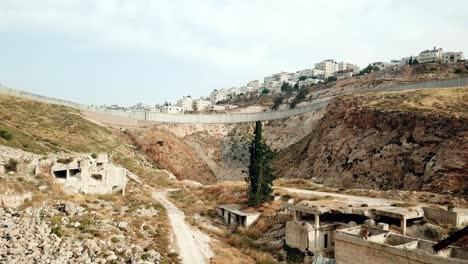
42,128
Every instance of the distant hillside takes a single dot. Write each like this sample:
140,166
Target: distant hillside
384,78
413,140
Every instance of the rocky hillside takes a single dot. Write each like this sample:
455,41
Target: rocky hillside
42,222
413,140
211,153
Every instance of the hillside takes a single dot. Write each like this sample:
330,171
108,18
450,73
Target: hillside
413,140
37,210
384,78
42,128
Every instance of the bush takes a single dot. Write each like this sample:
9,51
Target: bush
265,91
64,160
57,230
6,134
11,165
458,71
432,231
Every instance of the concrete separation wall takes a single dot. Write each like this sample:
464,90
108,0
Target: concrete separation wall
138,116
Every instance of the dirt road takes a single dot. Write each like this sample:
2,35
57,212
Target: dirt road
193,246
351,198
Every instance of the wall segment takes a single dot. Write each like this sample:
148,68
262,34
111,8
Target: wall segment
138,117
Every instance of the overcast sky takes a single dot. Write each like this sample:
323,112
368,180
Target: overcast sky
129,51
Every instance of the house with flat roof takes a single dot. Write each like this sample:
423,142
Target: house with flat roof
232,214
315,222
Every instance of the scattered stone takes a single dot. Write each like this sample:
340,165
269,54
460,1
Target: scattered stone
26,237
123,225
43,188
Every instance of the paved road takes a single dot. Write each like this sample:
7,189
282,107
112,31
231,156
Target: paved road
193,246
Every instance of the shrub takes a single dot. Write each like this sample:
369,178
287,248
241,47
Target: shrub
145,256
57,230
65,160
432,231
11,165
458,71
94,155
6,134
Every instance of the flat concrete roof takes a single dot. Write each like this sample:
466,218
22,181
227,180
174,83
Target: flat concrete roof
236,209
328,206
400,212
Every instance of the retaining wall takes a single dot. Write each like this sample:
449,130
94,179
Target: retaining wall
220,118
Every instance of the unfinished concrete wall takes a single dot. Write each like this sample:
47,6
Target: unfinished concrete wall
297,235
355,250
442,216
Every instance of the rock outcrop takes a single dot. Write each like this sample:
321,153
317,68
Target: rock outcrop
403,140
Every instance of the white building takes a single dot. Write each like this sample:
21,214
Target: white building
218,96
172,109
309,81
311,73
328,66
186,102
256,84
344,66
278,77
451,57
434,55
201,104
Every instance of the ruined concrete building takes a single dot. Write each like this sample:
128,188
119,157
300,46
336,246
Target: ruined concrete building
315,222
231,214
364,245
91,176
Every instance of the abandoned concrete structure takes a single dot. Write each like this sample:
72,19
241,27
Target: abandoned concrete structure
456,217
315,222
91,176
365,245
231,214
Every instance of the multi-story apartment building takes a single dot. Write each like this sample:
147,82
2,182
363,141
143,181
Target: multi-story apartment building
451,57
279,77
434,55
311,73
186,102
201,104
218,96
329,67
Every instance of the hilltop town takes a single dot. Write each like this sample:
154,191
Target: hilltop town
324,72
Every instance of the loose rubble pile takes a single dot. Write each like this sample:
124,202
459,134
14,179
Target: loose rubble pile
29,236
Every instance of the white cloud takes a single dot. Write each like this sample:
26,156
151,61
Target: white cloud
251,34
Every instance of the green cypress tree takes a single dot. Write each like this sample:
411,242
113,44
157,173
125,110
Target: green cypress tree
261,175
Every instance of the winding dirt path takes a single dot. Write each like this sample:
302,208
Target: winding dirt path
193,246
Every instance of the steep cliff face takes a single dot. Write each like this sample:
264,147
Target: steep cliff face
414,140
